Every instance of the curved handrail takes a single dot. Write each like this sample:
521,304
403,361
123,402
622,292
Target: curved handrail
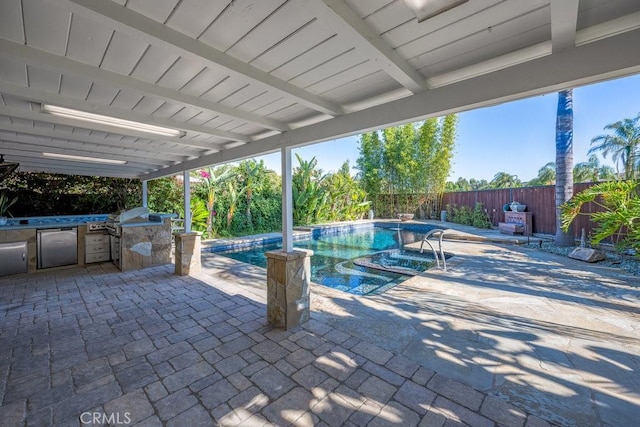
440,234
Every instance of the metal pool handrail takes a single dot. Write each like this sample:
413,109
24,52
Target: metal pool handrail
438,232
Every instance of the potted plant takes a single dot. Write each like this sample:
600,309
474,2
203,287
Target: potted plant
5,204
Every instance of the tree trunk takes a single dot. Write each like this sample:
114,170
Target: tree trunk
564,162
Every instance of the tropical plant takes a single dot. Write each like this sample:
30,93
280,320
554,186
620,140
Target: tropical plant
212,179
310,198
564,163
233,194
476,217
619,217
199,215
6,203
546,175
347,200
592,171
250,172
505,180
623,145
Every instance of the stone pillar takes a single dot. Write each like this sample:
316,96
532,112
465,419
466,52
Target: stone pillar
288,279
188,253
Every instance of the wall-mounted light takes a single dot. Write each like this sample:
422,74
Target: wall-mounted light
83,159
110,121
425,9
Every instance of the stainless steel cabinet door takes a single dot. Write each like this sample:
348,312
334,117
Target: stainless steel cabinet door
57,247
13,258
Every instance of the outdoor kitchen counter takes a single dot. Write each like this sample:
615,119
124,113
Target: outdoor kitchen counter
157,232
145,243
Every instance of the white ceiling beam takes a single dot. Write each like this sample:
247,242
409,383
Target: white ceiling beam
43,96
64,166
155,149
153,32
564,20
47,60
58,120
369,42
601,60
28,145
37,137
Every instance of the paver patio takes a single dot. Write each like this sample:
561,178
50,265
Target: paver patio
508,337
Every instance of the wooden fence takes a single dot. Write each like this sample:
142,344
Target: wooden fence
540,202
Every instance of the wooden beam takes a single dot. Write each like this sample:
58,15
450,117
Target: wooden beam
151,149
570,68
62,64
153,32
564,21
368,41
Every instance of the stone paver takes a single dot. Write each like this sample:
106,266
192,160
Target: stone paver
175,351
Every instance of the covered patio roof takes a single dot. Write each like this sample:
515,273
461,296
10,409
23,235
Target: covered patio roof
241,78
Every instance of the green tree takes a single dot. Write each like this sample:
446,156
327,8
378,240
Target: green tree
623,145
211,182
370,163
564,163
619,214
546,175
250,173
505,180
592,171
310,198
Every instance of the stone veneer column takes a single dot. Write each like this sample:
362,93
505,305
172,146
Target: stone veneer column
288,279
188,253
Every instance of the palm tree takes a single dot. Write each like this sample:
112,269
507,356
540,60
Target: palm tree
505,180
564,162
546,175
211,180
592,171
251,171
624,145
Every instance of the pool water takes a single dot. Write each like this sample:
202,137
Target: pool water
332,263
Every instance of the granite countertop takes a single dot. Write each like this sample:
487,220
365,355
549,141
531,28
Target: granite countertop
42,222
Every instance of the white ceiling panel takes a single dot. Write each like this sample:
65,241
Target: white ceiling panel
11,20
303,40
75,86
391,16
102,94
285,21
237,20
13,71
46,25
180,73
154,63
45,79
192,17
148,105
88,40
504,35
203,82
123,53
245,77
158,10
126,100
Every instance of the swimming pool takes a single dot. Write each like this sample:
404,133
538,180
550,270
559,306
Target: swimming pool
362,261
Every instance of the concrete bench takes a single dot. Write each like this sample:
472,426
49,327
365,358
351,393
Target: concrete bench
511,228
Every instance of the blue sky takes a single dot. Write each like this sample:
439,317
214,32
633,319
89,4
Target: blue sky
516,137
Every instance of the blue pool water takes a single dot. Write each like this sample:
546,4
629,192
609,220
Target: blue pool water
333,264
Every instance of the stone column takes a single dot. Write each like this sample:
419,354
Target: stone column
188,253
288,279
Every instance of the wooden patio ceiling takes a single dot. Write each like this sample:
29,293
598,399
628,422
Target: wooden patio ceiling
247,77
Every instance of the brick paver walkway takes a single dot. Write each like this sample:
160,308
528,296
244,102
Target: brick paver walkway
150,348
